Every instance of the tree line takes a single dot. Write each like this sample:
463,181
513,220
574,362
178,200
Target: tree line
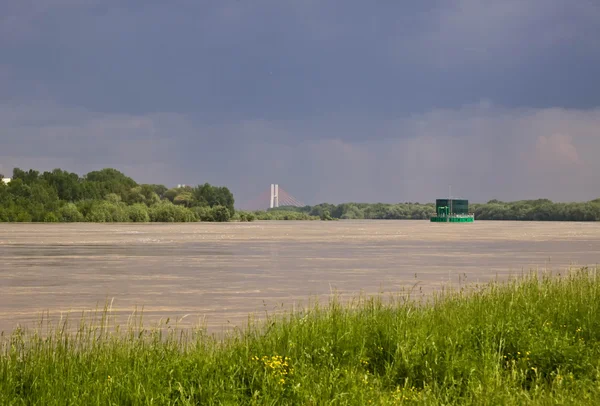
523,210
108,195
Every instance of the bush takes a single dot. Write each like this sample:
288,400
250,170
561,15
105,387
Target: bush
167,212
138,213
113,198
326,216
221,213
69,213
283,215
105,196
204,213
244,216
106,212
23,217
217,213
98,214
50,218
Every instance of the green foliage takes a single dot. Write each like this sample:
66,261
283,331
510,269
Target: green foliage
184,198
106,195
203,213
531,210
107,212
244,216
170,194
67,185
31,196
358,211
113,198
530,341
283,215
69,213
221,213
23,217
325,215
109,175
138,213
216,213
50,218
211,196
537,210
167,212
159,190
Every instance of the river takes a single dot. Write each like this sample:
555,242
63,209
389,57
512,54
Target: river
219,273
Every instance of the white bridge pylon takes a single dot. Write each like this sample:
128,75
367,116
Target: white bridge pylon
274,195
281,197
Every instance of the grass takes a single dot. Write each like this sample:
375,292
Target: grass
534,340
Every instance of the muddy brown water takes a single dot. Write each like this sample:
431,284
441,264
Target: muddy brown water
219,273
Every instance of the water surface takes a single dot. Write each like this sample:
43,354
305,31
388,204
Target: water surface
222,272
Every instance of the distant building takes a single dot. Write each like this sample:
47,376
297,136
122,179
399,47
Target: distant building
6,180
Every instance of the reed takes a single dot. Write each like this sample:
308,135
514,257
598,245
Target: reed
531,340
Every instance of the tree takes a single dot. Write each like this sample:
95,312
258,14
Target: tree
170,194
103,196
28,177
185,199
158,189
207,195
67,185
106,181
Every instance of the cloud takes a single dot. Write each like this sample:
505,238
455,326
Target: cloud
294,60
335,103
556,149
483,151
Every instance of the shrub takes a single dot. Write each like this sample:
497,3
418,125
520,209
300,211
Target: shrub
244,216
50,218
167,212
138,213
98,214
113,198
204,213
221,213
69,213
106,212
283,215
23,217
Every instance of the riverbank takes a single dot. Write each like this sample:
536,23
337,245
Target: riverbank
533,340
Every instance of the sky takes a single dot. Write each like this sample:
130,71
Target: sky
336,101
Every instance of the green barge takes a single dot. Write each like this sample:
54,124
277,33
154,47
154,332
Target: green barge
452,211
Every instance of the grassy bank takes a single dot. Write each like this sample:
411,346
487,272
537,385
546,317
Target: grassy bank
531,341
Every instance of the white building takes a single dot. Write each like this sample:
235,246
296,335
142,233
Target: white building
6,180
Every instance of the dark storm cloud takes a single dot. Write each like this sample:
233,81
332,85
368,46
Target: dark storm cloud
339,100
272,59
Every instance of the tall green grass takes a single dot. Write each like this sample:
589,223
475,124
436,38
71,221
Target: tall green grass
534,340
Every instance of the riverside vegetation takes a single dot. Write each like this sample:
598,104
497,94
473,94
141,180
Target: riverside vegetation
531,340
108,195
523,210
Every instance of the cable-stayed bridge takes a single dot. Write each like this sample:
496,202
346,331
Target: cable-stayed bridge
274,197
